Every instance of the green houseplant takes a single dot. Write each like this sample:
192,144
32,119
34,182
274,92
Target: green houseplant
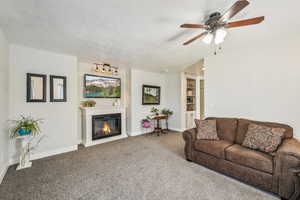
146,123
25,126
154,110
167,112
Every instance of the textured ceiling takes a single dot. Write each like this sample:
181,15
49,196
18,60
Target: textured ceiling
135,33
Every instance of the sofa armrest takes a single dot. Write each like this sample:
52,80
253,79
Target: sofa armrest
287,164
289,147
189,136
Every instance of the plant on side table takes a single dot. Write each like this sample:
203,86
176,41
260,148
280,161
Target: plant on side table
168,113
154,110
26,129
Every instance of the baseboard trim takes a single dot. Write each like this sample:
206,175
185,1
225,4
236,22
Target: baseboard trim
176,129
45,154
3,172
136,133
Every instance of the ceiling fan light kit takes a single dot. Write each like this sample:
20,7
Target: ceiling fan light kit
215,27
208,38
220,36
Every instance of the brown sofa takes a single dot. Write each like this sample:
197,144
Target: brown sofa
277,173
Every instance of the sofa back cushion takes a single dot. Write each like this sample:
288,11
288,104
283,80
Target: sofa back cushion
206,130
226,128
263,138
243,124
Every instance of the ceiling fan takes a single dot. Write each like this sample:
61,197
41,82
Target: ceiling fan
215,27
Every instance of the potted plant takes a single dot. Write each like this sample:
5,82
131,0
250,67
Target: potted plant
146,123
168,113
25,126
154,111
88,103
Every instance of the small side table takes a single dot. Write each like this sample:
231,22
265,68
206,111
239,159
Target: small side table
158,118
24,160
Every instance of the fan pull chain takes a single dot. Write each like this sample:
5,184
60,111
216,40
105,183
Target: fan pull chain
217,48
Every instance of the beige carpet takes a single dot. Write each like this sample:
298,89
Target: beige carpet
137,168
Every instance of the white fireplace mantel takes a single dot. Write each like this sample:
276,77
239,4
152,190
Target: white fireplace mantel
88,112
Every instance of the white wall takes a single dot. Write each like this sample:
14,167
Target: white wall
139,111
260,82
4,139
87,68
174,99
60,118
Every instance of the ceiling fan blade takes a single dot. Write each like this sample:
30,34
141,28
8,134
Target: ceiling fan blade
195,38
235,9
193,26
246,22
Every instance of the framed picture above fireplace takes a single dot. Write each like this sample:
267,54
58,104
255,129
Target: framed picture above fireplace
101,87
151,95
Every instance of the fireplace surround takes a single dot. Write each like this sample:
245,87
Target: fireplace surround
103,124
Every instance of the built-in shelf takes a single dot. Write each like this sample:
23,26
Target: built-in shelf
190,94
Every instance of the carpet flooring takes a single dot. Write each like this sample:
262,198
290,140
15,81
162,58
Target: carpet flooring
136,168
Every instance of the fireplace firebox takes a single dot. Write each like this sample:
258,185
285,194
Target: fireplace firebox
104,126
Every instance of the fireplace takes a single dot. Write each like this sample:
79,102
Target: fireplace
104,126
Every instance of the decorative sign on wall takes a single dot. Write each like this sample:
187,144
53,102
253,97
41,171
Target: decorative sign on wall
106,68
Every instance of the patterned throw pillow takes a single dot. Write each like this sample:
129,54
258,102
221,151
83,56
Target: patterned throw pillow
206,130
263,138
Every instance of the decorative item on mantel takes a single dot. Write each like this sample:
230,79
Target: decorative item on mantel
117,102
106,68
88,103
26,129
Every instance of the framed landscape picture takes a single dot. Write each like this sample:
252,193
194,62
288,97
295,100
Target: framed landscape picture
151,95
101,87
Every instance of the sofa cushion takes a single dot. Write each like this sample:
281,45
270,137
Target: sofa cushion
243,128
206,130
250,158
226,128
263,138
213,147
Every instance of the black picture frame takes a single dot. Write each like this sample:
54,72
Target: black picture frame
29,86
52,98
100,97
144,102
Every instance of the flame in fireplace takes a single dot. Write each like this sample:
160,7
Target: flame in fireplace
106,128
